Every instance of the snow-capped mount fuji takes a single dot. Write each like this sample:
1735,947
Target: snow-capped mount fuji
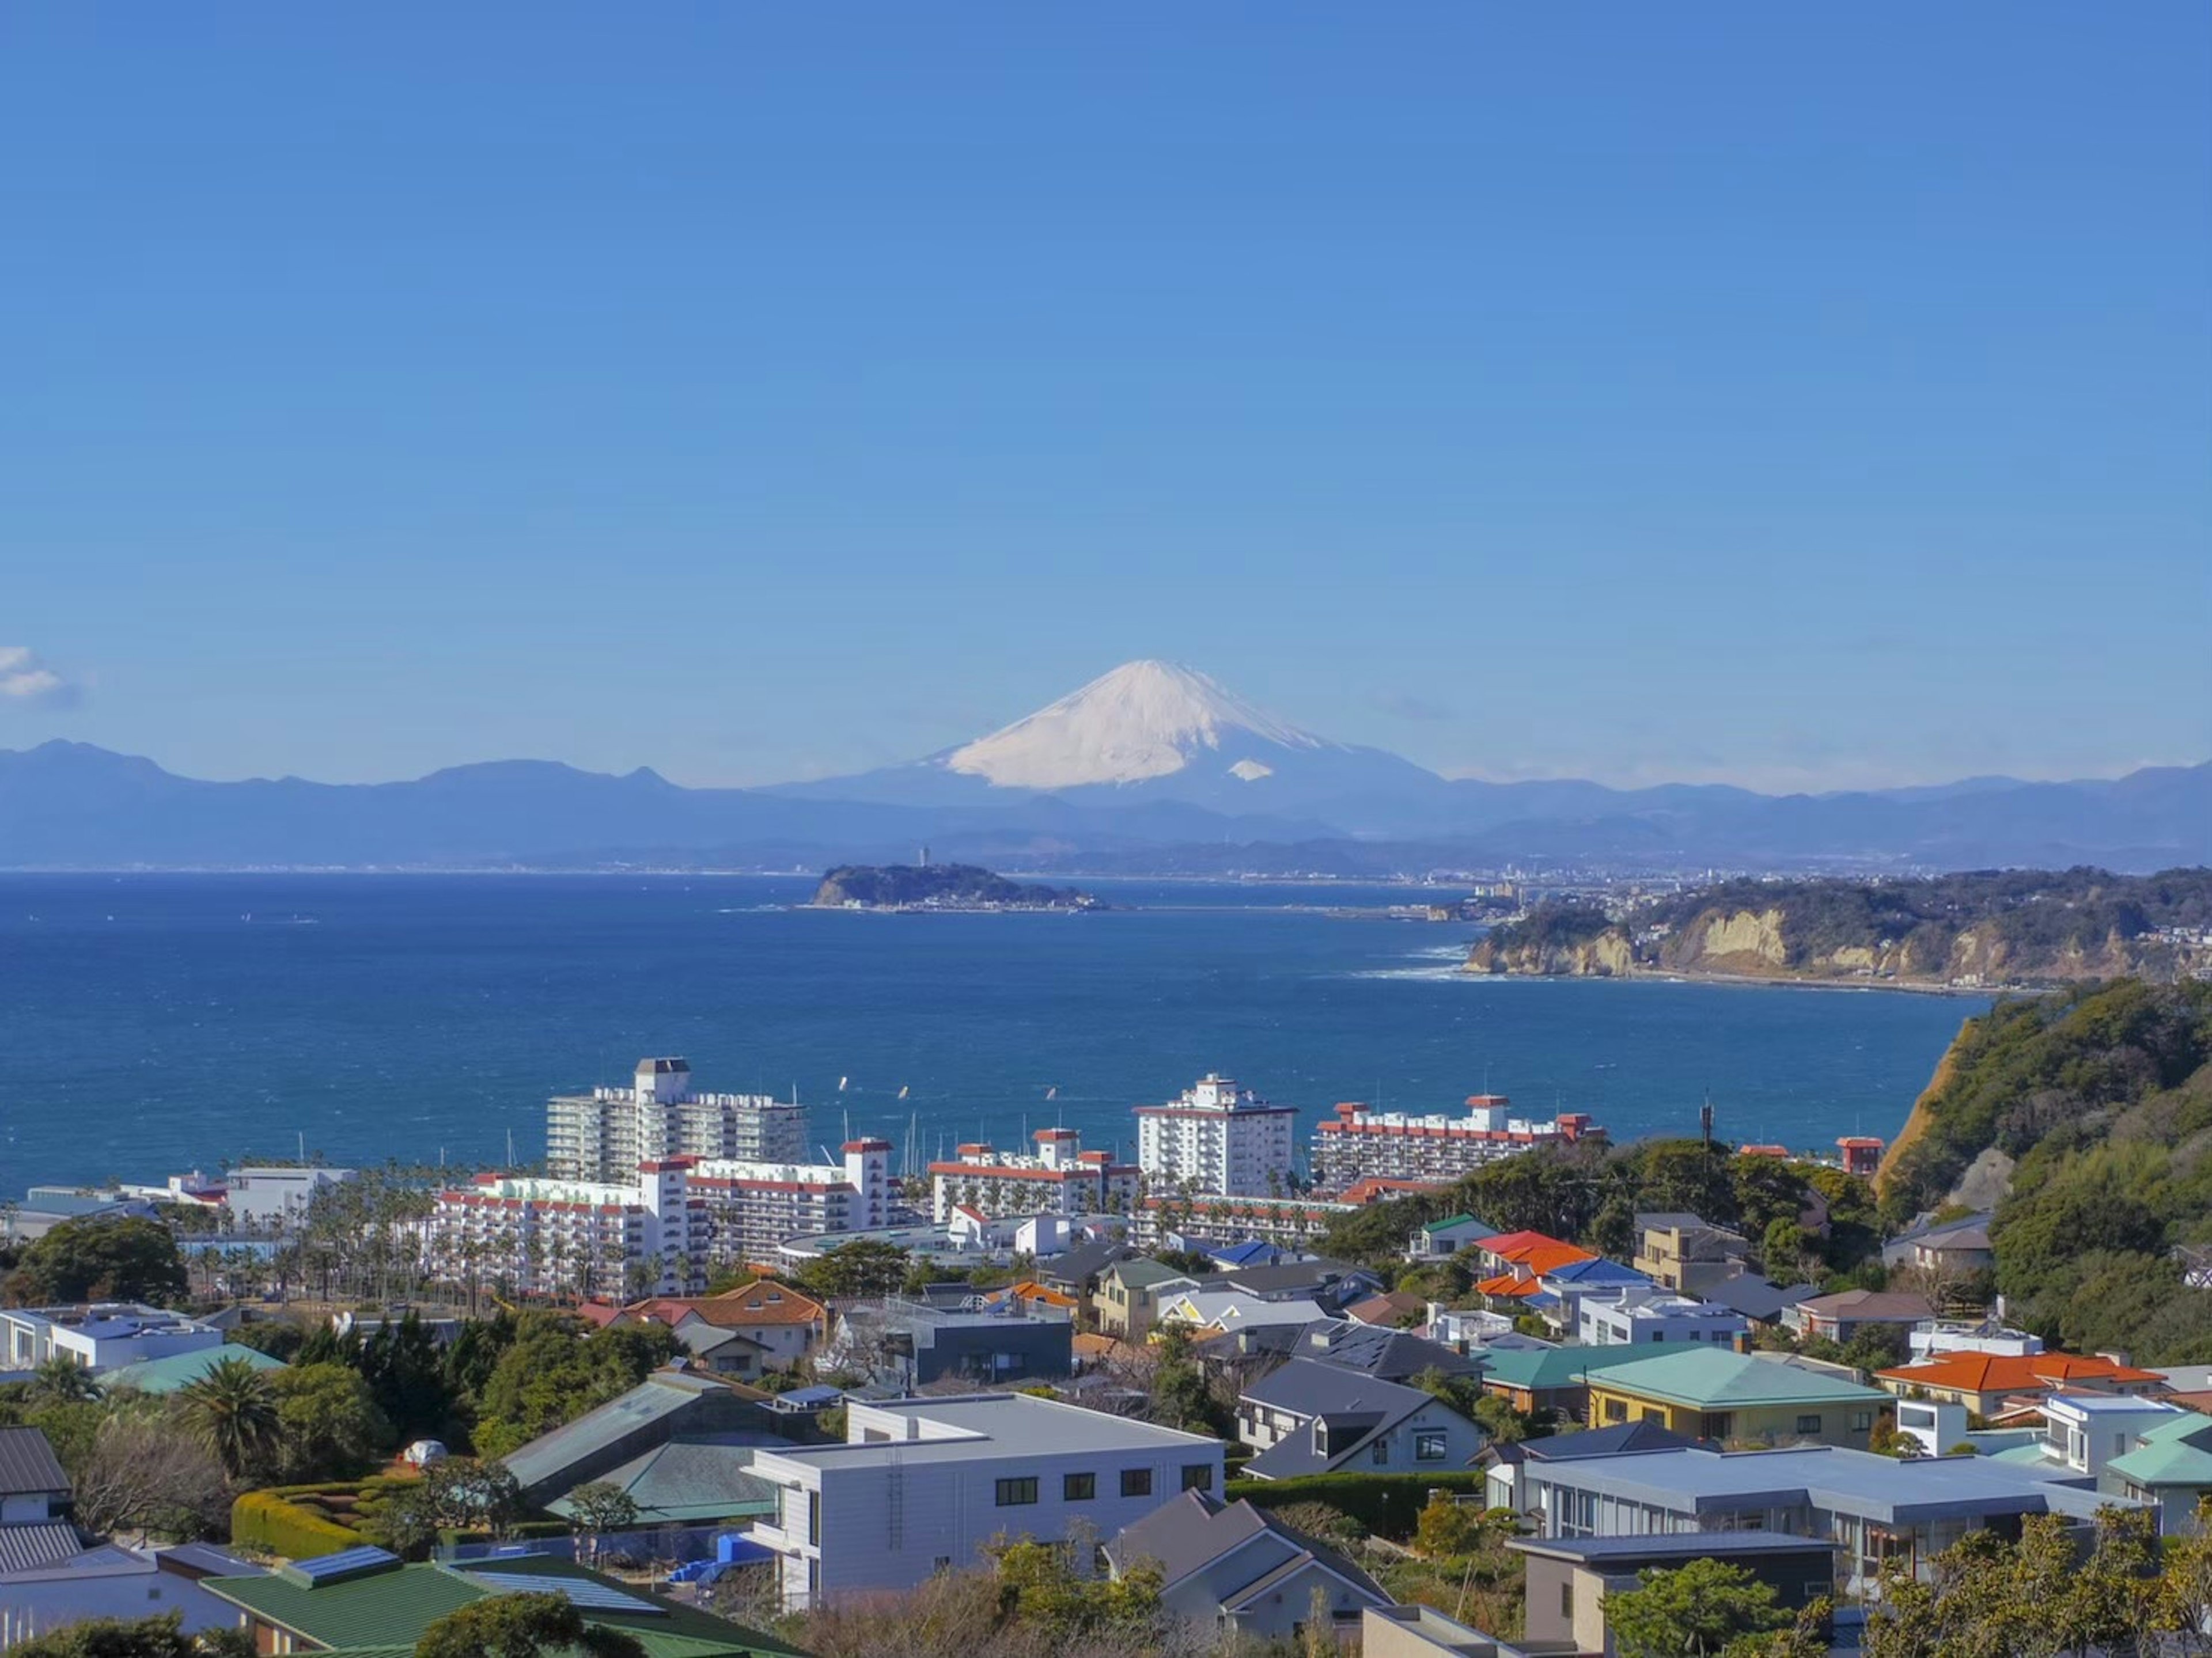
1144,719
1153,731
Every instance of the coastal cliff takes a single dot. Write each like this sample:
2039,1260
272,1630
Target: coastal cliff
1973,931
937,886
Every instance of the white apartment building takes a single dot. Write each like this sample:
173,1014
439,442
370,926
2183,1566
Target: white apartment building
604,1134
1360,1143
100,1336
676,1219
921,1485
755,1207
1061,1178
1217,1137
1641,1317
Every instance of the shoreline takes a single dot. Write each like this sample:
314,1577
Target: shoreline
1760,981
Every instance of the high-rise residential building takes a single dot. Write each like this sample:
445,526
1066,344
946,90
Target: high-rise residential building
1360,1143
660,1232
604,1134
1060,1179
1217,1137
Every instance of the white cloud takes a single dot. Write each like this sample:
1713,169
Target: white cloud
25,678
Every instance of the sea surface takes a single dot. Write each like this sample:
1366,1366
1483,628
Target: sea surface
149,1024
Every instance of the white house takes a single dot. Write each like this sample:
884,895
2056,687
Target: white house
1640,1318
99,1335
921,1485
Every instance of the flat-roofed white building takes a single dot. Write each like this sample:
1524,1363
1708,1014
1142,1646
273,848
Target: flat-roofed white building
920,1485
1643,1317
101,1335
1217,1137
1060,1178
268,1197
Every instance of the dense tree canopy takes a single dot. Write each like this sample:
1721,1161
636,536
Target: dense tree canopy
94,1258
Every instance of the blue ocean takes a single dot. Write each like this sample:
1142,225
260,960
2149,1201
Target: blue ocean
151,1024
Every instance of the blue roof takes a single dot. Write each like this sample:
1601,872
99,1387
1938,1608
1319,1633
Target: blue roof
1597,1269
1241,1253
1672,1545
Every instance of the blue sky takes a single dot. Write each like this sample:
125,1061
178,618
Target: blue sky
1805,396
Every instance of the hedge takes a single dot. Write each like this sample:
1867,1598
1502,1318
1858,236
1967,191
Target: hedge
1387,1505
266,1521
521,1531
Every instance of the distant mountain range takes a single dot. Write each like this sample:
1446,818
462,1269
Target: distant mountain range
1152,768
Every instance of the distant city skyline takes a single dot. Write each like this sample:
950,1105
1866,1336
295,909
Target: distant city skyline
1804,401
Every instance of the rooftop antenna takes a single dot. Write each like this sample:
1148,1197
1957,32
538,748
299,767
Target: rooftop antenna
510,1148
303,1145
1705,1121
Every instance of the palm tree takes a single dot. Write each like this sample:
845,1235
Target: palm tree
62,1380
233,1410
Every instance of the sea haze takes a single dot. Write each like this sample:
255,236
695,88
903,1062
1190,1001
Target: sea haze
153,1023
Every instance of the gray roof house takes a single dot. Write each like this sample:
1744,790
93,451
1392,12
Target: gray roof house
1307,1417
1877,1509
1231,1566
667,1405
1390,1355
1336,1282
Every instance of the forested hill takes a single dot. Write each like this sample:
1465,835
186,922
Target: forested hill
1985,928
938,886
2103,1096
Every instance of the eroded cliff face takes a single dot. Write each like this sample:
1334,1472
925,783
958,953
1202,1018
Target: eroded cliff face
1608,956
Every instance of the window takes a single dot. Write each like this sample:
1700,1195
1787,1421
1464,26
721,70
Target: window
1136,1482
1379,1453
1861,1422
1198,1476
1810,1423
943,1562
1616,1410
814,1519
1017,1493
1079,1487
1428,1445
1567,1599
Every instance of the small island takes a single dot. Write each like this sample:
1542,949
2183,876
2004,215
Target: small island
938,887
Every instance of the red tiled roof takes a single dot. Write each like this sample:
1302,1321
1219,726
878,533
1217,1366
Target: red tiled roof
1990,1373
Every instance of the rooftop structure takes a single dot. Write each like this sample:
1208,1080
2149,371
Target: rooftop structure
604,1134
1359,1142
666,1407
1217,1137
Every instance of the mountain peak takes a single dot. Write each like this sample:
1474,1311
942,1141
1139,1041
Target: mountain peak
1145,719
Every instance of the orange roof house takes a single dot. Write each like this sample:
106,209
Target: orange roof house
1984,1382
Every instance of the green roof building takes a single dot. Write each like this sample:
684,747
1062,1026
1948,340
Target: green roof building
365,1600
180,1371
2170,1465
1710,1393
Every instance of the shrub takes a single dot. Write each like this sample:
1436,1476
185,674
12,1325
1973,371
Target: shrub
265,1519
1387,1505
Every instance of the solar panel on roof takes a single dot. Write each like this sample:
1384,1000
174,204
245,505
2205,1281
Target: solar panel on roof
342,1567
584,1592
